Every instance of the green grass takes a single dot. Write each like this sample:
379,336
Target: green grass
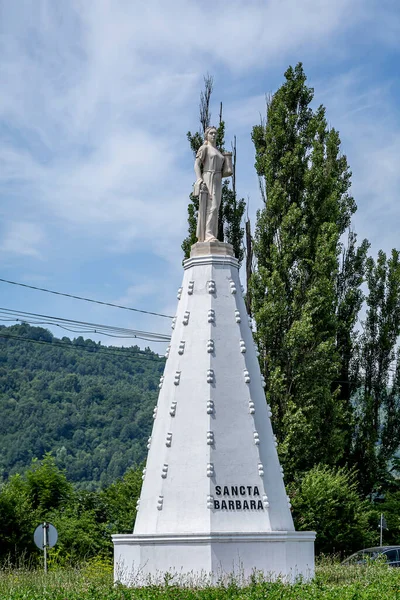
93,581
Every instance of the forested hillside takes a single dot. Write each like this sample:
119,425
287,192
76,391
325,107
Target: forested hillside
89,405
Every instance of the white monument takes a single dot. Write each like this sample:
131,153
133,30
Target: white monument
213,502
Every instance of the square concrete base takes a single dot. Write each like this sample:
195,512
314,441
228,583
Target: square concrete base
215,248
210,558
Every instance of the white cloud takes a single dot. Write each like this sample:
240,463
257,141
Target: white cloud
134,294
240,35
22,239
100,94
365,113
244,114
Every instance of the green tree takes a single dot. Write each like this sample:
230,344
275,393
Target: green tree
85,520
90,409
350,300
27,500
308,207
17,519
83,528
120,499
46,485
326,500
377,400
231,209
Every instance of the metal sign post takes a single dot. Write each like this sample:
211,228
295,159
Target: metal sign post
45,546
45,536
382,526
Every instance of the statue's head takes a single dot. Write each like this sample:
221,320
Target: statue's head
210,135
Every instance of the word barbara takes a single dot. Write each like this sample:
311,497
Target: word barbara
238,490
238,505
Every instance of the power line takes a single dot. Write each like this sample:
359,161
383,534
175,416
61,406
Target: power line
106,351
7,314
32,287
128,352
114,352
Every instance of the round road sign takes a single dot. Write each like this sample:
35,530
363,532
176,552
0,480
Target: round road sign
51,535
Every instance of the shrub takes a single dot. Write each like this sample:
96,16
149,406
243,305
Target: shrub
326,500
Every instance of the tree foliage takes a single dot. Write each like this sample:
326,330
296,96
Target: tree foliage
46,486
85,520
333,390
327,500
350,299
89,405
15,518
294,290
377,398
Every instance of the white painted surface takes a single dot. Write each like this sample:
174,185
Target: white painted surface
204,559
212,429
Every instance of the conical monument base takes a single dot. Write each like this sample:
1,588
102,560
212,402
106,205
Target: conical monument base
213,503
210,559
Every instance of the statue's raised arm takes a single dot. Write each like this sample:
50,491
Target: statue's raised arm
210,167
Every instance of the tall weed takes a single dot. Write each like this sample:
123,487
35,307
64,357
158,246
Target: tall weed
93,581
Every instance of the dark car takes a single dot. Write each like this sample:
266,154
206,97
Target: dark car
389,553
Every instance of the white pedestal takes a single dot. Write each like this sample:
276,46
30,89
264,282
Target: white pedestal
213,502
204,559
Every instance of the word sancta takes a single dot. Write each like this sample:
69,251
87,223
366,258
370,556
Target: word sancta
237,490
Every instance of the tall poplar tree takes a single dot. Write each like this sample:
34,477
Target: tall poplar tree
377,400
231,209
304,301
350,299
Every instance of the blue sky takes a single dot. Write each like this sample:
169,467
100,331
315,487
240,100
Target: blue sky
96,99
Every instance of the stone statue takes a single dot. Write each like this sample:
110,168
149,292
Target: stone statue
210,167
